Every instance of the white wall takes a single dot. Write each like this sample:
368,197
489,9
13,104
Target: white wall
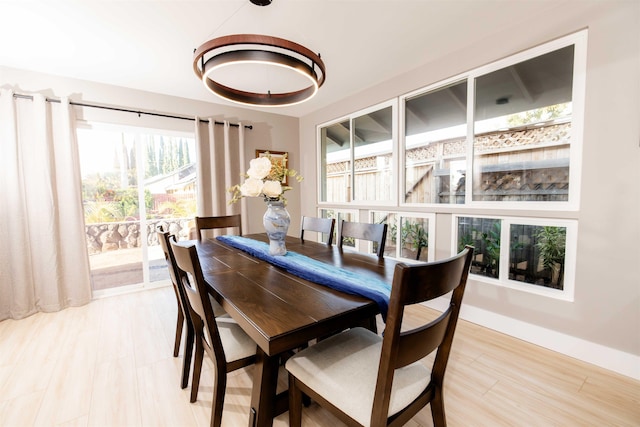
270,131
602,325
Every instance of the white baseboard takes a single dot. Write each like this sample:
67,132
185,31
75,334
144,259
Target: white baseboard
127,289
586,351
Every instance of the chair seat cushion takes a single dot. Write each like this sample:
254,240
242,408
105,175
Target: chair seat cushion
344,368
237,344
217,308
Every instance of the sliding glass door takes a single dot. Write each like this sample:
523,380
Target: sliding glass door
133,182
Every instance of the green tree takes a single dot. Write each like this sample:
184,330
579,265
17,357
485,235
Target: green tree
491,239
152,160
177,209
173,156
551,241
549,112
101,212
180,154
186,156
414,234
161,158
127,202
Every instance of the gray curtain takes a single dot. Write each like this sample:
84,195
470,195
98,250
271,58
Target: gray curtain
221,161
44,265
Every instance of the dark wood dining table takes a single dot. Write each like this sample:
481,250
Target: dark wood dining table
283,312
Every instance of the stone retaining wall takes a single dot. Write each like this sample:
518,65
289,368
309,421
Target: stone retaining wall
123,235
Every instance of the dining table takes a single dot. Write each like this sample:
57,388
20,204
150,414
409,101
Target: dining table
283,309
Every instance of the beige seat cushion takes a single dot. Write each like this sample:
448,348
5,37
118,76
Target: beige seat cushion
343,369
216,307
237,344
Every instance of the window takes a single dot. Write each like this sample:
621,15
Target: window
390,219
435,145
356,158
520,141
522,130
339,215
133,181
484,234
478,148
409,234
335,161
534,255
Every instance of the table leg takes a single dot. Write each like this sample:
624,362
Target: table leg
263,394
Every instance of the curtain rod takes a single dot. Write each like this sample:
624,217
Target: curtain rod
126,110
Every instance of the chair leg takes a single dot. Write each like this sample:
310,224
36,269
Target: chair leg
437,409
188,351
179,325
219,388
197,369
295,403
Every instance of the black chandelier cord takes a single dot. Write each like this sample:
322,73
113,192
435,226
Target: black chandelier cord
126,110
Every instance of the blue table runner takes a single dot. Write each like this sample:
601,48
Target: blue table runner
317,271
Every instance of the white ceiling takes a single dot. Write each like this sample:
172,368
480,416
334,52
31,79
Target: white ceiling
148,45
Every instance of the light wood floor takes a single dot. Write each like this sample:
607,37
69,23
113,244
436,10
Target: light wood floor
109,364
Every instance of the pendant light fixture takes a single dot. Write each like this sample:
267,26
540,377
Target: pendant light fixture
259,70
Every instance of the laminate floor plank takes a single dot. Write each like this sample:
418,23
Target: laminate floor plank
110,363
115,394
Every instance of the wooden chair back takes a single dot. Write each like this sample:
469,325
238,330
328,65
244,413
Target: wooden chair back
413,284
192,281
184,315
207,334
163,238
319,225
376,233
339,373
215,222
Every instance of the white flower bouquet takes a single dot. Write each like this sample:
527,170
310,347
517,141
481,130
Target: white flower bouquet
265,178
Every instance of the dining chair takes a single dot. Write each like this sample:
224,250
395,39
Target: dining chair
213,222
184,308
319,225
368,380
376,233
224,341
184,317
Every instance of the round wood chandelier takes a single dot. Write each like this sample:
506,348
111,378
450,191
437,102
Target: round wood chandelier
301,67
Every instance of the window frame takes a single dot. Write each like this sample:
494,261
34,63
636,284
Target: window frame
139,135
525,212
400,215
393,103
402,137
338,212
579,41
503,280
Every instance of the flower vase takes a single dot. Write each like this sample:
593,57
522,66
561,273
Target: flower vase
276,222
